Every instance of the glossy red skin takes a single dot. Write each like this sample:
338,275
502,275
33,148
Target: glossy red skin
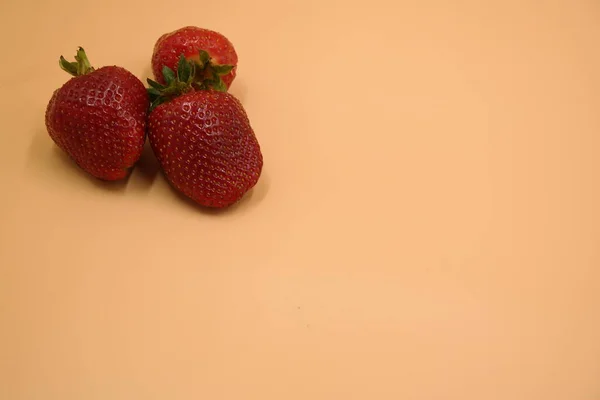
187,41
206,147
99,120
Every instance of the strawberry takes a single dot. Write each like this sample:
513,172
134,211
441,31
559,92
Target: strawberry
98,117
202,138
187,41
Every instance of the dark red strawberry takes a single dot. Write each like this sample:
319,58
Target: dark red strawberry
202,139
187,41
99,118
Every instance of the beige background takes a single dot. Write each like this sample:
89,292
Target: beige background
427,224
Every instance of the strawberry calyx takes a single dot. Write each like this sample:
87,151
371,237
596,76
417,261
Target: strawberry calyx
192,74
208,74
177,83
80,66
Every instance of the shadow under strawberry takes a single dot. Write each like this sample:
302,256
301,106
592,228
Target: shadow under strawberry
211,210
68,164
147,167
49,165
252,198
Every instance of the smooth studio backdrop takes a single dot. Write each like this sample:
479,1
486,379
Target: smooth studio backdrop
427,225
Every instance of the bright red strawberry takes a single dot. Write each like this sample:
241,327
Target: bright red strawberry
203,140
188,41
99,118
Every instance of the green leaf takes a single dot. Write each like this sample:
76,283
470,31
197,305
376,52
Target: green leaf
192,73
215,83
70,67
223,69
204,57
153,92
168,74
184,69
219,85
155,85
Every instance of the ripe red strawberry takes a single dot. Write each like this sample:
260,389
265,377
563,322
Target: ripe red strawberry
187,41
202,139
99,117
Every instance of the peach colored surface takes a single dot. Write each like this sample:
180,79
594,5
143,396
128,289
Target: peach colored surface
427,225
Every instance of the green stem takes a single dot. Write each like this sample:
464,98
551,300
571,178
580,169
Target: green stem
81,66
